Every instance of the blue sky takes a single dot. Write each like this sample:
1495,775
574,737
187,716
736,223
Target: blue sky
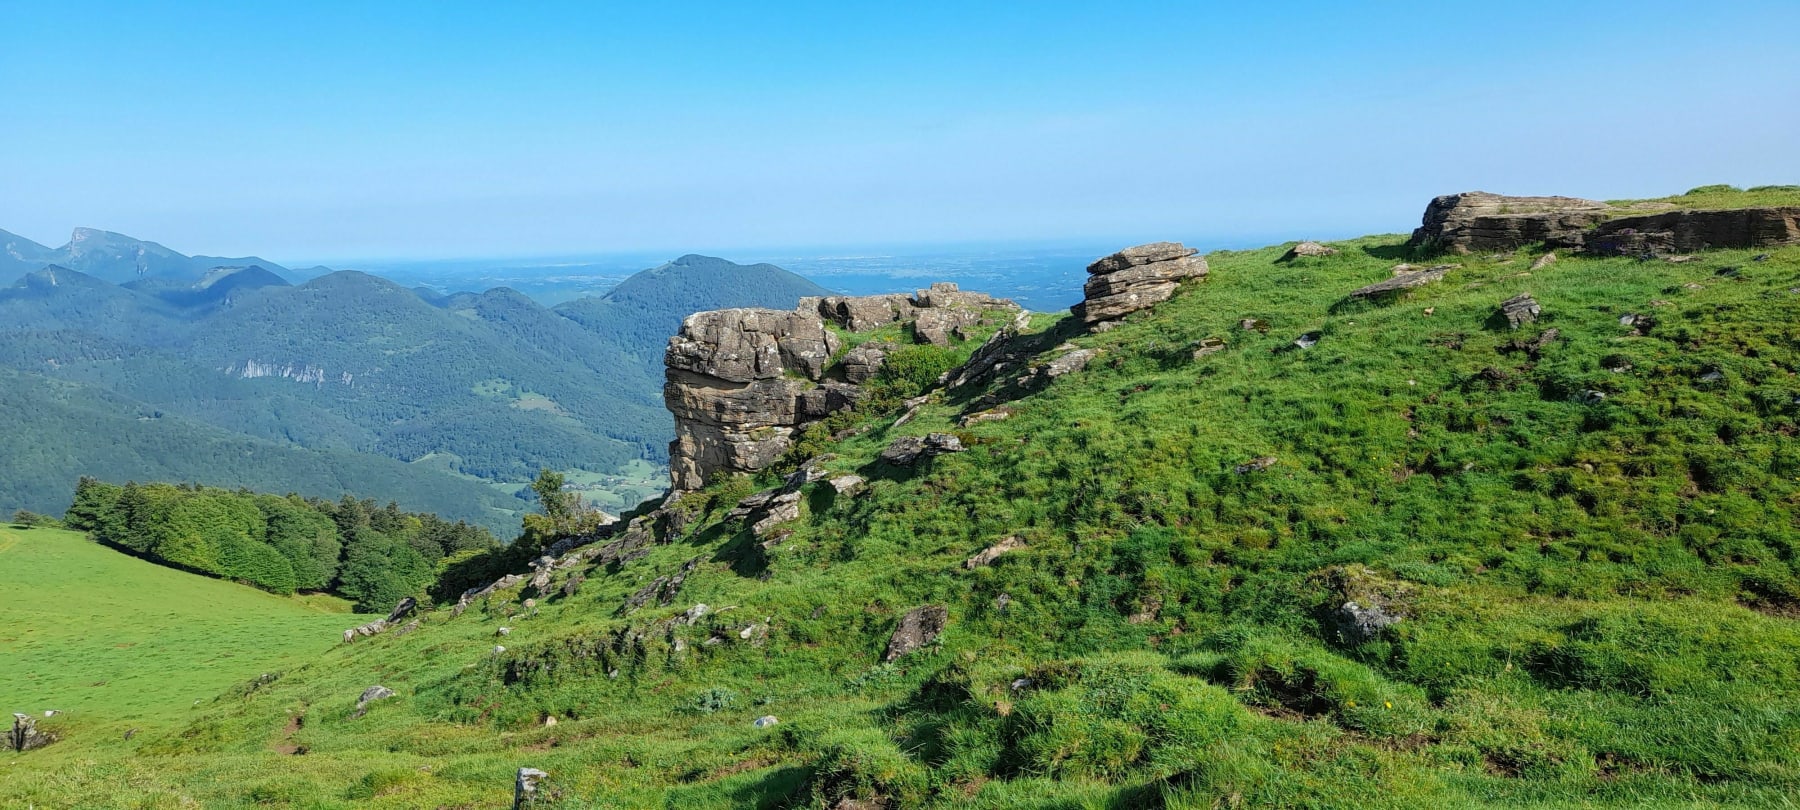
323,130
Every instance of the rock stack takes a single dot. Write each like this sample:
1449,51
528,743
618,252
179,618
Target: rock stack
741,382
1135,278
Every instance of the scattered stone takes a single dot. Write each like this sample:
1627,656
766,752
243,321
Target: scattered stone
1404,281
988,555
919,627
1628,319
1479,221
1428,311
1255,465
1712,376
765,721
999,414
525,787
1760,257
1135,278
1019,684
26,736
694,614
1492,374
529,604
549,720
503,631
1252,325
1680,259
907,450
783,508
846,484
1520,309
1308,340
499,650
1544,261
572,585
1358,624
370,695
1211,345
1307,250
401,608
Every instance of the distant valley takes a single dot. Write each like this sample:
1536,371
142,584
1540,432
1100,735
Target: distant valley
124,359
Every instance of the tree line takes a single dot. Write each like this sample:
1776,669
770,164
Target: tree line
371,554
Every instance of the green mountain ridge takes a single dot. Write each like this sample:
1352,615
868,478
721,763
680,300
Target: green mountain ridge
1274,545
480,388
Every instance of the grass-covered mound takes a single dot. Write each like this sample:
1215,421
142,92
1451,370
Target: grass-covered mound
1587,537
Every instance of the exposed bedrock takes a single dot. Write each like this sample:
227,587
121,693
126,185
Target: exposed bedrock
1136,278
1687,231
1479,221
741,382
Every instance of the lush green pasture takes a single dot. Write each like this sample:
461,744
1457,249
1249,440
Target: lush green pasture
1590,536
118,643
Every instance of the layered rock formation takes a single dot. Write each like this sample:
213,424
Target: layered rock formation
1685,231
1479,221
1135,278
741,382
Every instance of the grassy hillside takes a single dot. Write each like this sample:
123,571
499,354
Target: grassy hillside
1586,527
117,643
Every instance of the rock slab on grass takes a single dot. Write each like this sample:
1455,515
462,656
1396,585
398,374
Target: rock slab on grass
907,450
919,627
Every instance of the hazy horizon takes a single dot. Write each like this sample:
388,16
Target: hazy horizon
428,130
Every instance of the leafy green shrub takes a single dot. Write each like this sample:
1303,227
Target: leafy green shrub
714,699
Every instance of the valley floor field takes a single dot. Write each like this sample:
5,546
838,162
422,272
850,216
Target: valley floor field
116,643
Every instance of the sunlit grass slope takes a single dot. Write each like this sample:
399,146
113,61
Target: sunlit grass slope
117,643
1589,535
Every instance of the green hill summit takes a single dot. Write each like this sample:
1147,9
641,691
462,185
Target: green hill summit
1500,515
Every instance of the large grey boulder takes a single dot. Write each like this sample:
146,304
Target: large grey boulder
525,787
371,695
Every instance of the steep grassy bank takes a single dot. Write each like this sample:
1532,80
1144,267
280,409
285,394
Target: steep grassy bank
1588,539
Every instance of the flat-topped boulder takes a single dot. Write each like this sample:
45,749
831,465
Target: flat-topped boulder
1479,221
1136,278
1686,231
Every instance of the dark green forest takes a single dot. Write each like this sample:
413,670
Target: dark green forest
371,554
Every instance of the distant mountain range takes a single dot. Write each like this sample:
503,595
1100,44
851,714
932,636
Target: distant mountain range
115,257
157,367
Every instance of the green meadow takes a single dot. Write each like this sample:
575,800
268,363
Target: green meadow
116,643
1586,527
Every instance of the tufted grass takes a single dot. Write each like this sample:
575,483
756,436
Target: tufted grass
1600,594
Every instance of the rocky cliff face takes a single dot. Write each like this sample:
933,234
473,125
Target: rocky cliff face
740,382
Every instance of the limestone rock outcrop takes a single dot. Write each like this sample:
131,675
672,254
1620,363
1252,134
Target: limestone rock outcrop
907,450
1685,231
736,380
936,314
1136,278
741,382
1479,221
25,735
